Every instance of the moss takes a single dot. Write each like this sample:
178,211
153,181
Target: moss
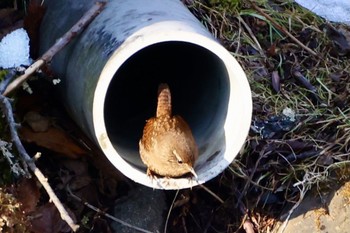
12,218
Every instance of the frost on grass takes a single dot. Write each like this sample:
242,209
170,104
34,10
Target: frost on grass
15,167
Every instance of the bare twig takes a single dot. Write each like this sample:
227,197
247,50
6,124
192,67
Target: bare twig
248,226
302,191
170,209
27,160
262,154
7,110
249,30
279,27
61,43
246,223
212,193
7,79
104,213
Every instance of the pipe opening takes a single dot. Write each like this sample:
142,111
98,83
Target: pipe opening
199,84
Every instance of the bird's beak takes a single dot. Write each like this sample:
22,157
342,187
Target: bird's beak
193,172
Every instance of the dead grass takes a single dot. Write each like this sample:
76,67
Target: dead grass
345,192
273,171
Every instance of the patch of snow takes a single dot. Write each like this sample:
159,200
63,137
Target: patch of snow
288,112
332,10
14,49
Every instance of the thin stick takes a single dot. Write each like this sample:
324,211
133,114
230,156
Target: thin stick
248,226
279,27
241,20
60,43
170,209
250,178
7,110
212,193
291,211
104,213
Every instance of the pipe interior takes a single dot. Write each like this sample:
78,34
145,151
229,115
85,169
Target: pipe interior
199,85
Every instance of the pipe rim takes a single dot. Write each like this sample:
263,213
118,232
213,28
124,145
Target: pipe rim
239,106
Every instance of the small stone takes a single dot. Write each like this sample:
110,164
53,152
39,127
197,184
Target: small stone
143,207
326,214
37,122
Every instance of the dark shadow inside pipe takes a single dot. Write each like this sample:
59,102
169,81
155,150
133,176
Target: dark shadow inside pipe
199,85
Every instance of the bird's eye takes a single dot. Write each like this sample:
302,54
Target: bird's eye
179,160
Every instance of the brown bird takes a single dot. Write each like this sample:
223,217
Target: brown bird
167,146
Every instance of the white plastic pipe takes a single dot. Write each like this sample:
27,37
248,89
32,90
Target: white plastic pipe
112,71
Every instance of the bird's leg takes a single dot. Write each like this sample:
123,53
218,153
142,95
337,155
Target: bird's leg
165,181
150,173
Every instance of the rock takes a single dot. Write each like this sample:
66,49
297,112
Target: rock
143,207
325,213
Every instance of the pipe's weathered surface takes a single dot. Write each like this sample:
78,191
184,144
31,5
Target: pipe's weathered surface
111,73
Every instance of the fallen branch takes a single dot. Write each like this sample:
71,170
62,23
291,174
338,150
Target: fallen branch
6,87
60,43
7,111
279,27
4,83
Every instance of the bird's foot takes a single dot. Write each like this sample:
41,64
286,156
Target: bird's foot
151,175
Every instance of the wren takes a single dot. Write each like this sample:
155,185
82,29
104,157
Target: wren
167,146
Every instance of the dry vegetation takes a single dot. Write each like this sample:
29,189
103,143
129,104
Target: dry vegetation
300,127
301,122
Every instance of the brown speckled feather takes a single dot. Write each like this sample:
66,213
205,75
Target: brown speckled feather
167,146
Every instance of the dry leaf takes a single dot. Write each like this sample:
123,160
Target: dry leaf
28,194
275,79
53,139
336,77
47,219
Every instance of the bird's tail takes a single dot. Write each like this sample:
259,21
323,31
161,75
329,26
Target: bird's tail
164,100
